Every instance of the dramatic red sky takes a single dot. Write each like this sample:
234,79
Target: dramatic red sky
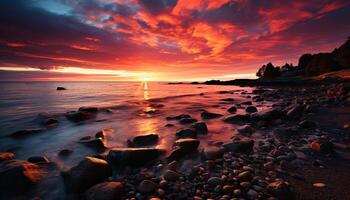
173,40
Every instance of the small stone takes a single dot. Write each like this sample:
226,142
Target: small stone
105,191
147,187
38,160
232,110
214,181
252,194
245,176
251,109
170,175
227,189
319,185
6,156
200,128
209,115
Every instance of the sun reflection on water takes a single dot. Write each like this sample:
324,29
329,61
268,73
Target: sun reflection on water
145,91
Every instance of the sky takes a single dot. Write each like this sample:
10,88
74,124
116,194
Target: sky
162,40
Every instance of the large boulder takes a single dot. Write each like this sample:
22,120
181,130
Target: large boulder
19,175
95,143
105,191
267,114
87,173
143,140
134,157
183,147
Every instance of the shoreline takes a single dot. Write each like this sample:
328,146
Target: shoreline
265,159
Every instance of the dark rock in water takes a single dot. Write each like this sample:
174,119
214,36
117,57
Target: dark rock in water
19,175
97,144
280,189
186,133
79,116
169,125
251,109
238,146
246,103
267,114
143,140
187,120
188,144
87,173
224,92
178,117
60,88
295,112
38,160
51,121
228,99
323,146
65,152
103,133
210,115
237,118
88,109
105,191
307,124
171,175
183,148
200,128
134,157
245,130
147,187
4,156
232,110
212,153
26,132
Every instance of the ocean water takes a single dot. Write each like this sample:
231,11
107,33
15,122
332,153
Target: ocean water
22,102
136,108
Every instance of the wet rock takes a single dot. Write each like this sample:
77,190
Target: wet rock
214,181
232,110
79,116
228,100
169,125
178,117
105,191
188,144
306,124
87,173
65,153
143,140
251,109
233,119
27,132
245,176
60,88
103,133
295,112
38,160
134,157
19,175
200,128
170,175
212,153
267,114
186,133
147,187
210,115
246,103
323,146
245,130
96,143
187,120
183,147
88,109
4,156
237,146
280,189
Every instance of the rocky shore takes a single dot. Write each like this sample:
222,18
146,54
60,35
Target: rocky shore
267,159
